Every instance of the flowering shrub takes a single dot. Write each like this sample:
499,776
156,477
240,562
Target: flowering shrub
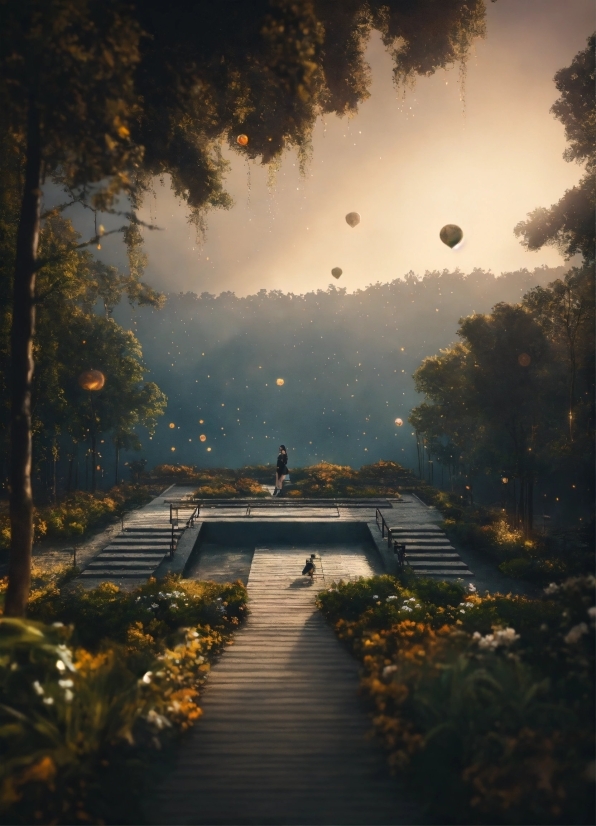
79,512
85,707
485,704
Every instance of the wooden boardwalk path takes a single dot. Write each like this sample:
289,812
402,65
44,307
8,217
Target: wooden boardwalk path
283,739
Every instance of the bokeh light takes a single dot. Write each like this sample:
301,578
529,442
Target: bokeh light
524,359
399,422
92,380
172,425
242,140
202,437
280,382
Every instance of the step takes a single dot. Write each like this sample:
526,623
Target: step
444,573
125,564
438,563
432,555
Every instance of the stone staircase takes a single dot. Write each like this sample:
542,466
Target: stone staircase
135,553
429,552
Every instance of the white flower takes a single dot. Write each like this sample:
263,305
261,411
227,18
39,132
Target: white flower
471,588
506,636
375,596
173,605
406,608
65,683
38,688
68,695
576,633
502,636
461,611
592,612
417,605
392,596
48,701
389,669
551,589
146,678
57,625
158,720
60,665
154,605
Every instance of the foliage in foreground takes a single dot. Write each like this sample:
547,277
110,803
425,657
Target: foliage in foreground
79,512
86,708
484,704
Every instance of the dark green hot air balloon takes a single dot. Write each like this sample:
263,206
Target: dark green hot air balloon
451,235
336,272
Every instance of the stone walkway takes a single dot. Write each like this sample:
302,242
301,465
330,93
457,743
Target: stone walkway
283,739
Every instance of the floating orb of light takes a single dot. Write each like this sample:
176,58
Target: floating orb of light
352,219
201,421
336,272
524,359
208,450
202,438
504,480
172,448
242,140
451,235
399,422
280,382
92,380
172,425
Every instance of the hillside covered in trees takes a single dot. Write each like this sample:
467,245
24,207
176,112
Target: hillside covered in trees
346,361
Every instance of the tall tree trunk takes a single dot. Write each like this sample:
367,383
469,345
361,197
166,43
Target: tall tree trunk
21,341
117,446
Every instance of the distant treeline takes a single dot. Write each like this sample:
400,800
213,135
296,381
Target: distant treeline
346,361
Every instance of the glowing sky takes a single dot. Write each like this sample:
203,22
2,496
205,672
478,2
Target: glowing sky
408,164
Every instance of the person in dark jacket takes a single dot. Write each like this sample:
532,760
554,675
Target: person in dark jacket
282,470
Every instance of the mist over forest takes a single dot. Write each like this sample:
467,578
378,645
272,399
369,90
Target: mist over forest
346,361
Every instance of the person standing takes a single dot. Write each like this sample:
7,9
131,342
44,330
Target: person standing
282,470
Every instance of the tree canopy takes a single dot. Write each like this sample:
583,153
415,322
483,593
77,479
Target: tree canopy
569,224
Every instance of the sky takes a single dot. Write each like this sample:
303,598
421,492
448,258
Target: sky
481,156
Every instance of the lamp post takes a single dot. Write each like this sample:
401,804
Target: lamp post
92,381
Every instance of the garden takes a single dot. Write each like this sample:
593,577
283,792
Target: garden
95,688
484,704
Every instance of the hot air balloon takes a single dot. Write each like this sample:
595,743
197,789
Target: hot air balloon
353,219
451,235
399,422
172,425
336,272
280,382
242,140
92,380
202,437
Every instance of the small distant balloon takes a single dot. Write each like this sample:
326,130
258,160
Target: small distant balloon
172,448
242,140
202,437
399,422
524,359
92,380
208,450
172,425
352,219
280,382
451,235
336,272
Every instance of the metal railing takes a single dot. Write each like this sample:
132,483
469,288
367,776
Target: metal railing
175,521
399,548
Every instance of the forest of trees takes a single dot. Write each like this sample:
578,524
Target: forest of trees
346,361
